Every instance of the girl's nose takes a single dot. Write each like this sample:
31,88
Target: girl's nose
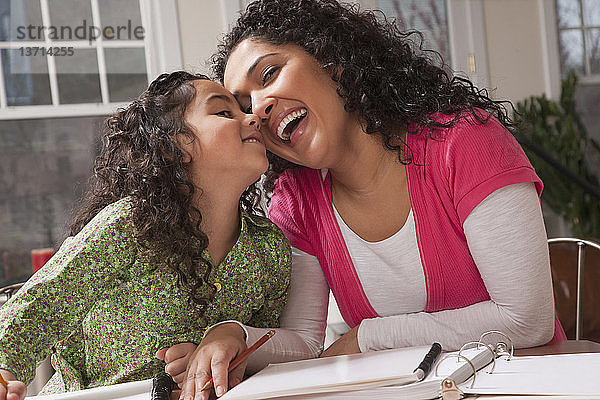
253,120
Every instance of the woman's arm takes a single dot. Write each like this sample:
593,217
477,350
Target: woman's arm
300,335
16,390
507,239
303,321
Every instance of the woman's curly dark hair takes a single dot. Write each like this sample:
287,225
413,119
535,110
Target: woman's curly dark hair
383,74
140,158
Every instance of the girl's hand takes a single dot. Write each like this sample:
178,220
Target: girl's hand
347,344
16,389
211,359
177,358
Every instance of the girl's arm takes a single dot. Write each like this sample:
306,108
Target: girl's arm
52,304
507,239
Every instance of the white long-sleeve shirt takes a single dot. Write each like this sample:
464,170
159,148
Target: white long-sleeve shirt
507,239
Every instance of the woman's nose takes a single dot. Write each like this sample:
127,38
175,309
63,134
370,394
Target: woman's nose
263,107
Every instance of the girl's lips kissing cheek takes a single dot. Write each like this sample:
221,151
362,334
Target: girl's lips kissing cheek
254,138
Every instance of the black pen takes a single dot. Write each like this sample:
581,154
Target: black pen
423,369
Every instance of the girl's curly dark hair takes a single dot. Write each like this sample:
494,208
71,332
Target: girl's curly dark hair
140,158
383,74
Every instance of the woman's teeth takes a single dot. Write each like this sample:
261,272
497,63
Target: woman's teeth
284,134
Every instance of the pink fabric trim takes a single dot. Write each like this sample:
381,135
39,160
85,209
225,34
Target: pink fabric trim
351,298
480,192
559,332
301,206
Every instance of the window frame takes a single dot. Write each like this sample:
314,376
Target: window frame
162,46
468,42
588,78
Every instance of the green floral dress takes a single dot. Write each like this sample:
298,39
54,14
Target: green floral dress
102,309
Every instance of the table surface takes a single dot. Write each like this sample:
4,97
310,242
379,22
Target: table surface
562,347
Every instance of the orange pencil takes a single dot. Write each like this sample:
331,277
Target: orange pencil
237,361
3,382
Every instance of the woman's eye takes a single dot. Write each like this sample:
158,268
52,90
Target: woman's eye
225,113
269,73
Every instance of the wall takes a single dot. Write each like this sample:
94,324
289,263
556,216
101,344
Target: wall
201,23
514,48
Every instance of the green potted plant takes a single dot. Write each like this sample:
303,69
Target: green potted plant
556,129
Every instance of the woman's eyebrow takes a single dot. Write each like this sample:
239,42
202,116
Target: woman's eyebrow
256,62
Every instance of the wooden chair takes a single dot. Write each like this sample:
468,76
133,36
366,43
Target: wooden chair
575,265
7,291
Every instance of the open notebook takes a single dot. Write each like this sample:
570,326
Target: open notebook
342,376
388,375
140,390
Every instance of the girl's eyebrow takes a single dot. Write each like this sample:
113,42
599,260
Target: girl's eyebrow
219,97
256,62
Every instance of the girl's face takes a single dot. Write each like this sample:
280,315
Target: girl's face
302,117
228,146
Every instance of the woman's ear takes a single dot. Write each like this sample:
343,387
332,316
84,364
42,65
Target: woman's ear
187,157
335,71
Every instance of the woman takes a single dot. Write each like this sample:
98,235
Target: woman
400,187
165,244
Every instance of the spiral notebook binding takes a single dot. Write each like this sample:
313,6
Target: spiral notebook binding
449,389
487,346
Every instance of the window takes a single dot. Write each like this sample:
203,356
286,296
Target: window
79,57
429,17
578,26
579,37
452,28
52,110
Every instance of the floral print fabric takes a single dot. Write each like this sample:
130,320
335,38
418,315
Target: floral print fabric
103,309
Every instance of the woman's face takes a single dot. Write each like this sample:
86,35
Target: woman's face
228,146
303,118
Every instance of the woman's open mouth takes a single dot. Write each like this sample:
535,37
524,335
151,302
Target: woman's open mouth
289,123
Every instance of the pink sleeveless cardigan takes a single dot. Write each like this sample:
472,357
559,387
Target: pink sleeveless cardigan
451,174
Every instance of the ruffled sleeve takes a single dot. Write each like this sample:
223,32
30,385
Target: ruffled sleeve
52,304
481,158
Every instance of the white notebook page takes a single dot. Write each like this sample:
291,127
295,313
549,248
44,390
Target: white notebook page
561,374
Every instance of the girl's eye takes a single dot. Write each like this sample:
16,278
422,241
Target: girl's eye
268,73
225,113
248,109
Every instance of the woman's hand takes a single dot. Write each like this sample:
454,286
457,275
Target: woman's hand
16,389
176,357
212,357
347,344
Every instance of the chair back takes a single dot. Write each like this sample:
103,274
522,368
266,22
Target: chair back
575,265
7,291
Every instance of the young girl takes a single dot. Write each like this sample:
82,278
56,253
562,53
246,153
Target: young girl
165,244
